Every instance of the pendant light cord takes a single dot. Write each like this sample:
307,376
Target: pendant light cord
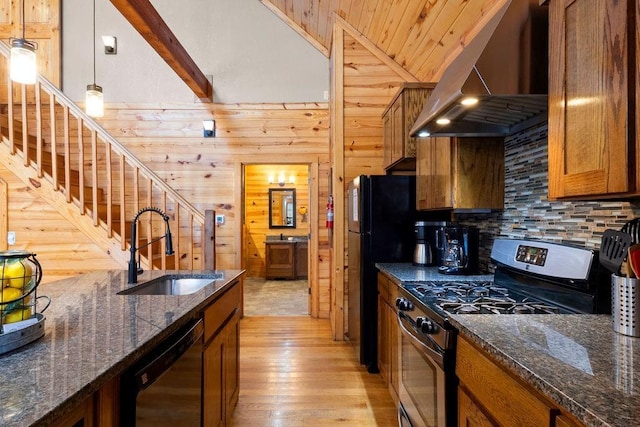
94,42
23,20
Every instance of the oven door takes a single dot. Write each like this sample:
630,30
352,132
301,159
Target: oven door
422,378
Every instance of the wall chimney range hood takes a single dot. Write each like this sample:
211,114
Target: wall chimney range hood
497,85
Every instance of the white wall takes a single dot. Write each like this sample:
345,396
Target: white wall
252,55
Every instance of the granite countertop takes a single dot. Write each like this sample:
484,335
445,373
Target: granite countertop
91,335
407,272
577,360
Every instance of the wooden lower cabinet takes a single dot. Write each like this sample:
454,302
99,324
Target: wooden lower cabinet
489,396
388,335
469,413
221,357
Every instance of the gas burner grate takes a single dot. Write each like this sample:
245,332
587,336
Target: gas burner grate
493,306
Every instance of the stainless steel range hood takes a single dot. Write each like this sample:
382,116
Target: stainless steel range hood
504,68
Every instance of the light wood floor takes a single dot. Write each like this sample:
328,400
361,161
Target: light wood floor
293,374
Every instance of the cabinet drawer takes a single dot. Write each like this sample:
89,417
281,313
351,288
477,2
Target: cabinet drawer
504,398
220,310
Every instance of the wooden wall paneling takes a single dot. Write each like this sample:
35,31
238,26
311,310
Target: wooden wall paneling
338,296
4,208
62,249
208,171
365,81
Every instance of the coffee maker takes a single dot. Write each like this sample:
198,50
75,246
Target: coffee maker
460,250
428,246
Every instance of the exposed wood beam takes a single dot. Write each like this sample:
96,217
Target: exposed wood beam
146,20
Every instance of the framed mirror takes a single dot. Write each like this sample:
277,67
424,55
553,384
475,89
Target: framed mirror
282,208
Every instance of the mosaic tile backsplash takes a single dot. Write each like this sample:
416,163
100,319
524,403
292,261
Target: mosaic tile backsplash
528,213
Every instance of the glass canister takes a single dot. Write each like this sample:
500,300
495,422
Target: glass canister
20,275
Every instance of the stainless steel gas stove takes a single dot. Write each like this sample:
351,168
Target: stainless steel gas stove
531,277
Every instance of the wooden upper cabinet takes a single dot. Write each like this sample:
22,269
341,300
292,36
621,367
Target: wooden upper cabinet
592,150
460,173
399,148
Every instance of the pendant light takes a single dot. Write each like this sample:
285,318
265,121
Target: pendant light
94,101
22,65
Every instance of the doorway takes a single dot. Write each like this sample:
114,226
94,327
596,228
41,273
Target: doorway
267,191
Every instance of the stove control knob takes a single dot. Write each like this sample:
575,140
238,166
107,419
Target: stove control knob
404,304
426,326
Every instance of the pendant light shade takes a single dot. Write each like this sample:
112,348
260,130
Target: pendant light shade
22,62
94,101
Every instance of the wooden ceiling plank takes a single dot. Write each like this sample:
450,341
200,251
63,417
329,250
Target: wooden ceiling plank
299,7
288,8
324,31
429,15
296,27
367,15
472,19
377,28
146,20
355,11
312,18
414,14
397,18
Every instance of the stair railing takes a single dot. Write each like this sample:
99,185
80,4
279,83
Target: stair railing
95,172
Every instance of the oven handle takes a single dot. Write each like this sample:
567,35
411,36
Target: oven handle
435,355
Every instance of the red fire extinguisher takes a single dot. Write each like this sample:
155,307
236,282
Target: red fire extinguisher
330,213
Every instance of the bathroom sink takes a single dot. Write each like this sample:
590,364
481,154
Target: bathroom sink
172,284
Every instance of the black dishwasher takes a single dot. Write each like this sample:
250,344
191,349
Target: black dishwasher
164,388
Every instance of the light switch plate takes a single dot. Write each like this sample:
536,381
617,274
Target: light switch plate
11,238
219,219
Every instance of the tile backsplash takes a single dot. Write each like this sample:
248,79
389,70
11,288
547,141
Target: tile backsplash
529,214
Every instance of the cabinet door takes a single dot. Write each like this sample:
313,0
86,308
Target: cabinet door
469,413
387,138
231,354
383,343
441,177
398,130
302,260
213,390
433,174
423,175
589,141
280,261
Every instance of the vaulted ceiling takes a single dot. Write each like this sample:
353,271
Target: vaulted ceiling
420,35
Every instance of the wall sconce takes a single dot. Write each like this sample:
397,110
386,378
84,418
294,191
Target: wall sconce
110,45
209,127
282,179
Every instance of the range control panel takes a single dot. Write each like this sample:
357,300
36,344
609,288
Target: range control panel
532,255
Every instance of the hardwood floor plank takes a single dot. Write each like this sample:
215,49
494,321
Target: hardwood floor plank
293,374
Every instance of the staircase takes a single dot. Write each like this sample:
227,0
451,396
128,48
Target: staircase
93,180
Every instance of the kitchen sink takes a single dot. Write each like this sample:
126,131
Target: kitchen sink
172,284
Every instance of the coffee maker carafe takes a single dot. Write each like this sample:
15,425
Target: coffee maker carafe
460,250
422,253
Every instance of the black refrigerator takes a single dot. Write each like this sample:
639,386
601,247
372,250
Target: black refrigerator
381,212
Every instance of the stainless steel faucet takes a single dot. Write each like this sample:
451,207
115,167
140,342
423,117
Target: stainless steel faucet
134,267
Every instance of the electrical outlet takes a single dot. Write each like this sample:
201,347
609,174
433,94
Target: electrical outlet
11,238
219,219
325,95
